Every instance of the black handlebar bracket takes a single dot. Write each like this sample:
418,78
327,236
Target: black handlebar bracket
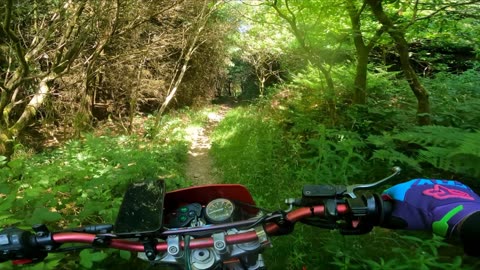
364,211
286,226
19,245
316,194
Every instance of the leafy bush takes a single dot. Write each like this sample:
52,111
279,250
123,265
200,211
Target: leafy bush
83,183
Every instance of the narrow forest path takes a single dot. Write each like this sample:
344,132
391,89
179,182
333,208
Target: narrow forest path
200,169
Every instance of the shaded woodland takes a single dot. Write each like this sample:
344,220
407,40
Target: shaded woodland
66,66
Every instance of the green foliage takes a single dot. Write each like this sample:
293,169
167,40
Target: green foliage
88,257
3,161
83,182
246,136
455,98
285,142
43,215
332,156
423,254
394,250
446,148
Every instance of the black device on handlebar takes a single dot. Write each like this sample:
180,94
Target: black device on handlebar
208,235
141,212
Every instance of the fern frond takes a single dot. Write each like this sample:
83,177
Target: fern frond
469,145
381,141
432,135
395,157
450,149
438,157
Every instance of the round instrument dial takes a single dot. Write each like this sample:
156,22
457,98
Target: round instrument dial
219,210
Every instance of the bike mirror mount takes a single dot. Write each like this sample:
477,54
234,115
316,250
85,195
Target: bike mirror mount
314,194
141,212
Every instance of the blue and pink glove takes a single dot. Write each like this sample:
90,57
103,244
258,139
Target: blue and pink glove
429,204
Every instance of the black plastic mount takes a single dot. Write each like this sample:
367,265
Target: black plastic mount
365,213
315,194
286,226
102,241
150,250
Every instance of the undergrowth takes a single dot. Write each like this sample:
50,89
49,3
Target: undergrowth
82,183
287,140
292,138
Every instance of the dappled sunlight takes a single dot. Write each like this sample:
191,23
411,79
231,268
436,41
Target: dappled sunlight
197,138
214,117
200,165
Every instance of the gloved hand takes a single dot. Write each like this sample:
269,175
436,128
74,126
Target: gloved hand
429,204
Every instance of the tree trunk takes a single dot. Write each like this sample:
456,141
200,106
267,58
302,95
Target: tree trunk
362,49
299,35
423,108
398,35
31,109
6,143
360,84
189,50
331,95
360,87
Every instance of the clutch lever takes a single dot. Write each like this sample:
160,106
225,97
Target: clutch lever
350,190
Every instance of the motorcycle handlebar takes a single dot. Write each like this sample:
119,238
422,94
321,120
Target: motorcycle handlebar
23,246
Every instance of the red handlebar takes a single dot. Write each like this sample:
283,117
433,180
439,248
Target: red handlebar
359,216
244,237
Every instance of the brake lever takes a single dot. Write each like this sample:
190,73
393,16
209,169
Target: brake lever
350,190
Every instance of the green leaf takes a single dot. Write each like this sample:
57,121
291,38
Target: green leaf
88,257
6,204
16,164
38,266
41,215
3,160
126,255
99,256
52,264
85,258
9,266
412,238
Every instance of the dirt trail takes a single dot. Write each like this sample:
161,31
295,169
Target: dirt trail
200,167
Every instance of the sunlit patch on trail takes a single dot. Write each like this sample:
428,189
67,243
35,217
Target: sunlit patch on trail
200,167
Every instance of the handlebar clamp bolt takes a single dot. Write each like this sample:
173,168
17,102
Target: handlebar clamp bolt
172,250
219,245
173,243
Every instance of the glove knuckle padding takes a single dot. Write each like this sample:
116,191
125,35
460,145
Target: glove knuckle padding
431,204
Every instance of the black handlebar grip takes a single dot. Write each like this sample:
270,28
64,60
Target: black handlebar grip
386,208
389,221
17,244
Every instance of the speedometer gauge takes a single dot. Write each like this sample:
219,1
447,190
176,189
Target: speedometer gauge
219,210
